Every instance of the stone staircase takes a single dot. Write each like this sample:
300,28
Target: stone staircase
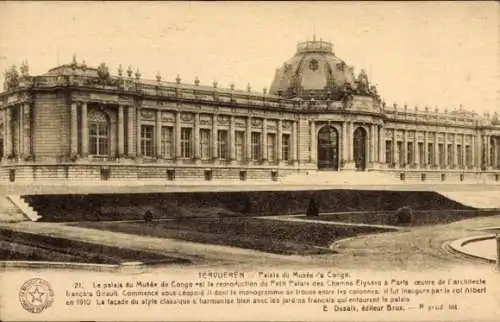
489,199
24,207
10,212
341,178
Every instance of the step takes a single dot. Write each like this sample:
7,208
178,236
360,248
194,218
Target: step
10,212
24,207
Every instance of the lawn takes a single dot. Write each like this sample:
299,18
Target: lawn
270,236
31,247
419,218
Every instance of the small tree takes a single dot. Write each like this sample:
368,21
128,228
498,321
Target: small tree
148,216
312,209
404,215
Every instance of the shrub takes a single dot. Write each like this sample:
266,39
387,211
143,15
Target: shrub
404,215
148,216
312,209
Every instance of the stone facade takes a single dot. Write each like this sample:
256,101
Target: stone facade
81,123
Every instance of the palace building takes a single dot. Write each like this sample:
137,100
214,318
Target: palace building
76,122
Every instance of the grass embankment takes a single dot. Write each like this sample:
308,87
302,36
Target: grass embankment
271,236
32,247
419,217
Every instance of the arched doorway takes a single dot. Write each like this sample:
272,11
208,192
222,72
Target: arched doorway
359,144
328,147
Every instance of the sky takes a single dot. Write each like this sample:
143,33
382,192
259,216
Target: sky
427,53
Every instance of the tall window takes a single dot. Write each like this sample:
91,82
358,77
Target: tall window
389,158
468,155
409,152
421,153
222,144
147,140
459,155
401,154
167,142
271,147
186,143
285,147
239,144
255,141
430,153
450,154
205,144
98,133
441,154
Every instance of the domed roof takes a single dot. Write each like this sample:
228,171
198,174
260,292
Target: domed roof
314,71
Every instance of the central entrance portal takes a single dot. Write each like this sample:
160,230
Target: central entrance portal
328,147
359,143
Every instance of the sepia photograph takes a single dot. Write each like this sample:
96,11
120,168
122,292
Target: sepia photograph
249,161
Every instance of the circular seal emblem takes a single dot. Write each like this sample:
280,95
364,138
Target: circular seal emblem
36,295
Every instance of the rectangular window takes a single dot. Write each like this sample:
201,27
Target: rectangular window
450,154
271,147
421,153
285,147
388,152
468,155
401,154
459,155
222,144
205,144
167,142
147,140
239,145
256,142
441,154
98,138
409,152
430,153
186,143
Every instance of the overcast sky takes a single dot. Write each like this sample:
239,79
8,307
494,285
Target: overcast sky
436,54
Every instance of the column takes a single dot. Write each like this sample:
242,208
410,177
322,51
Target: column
27,130
437,159
232,140
265,157
214,137
405,147
416,155
7,148
294,142
279,139
121,136
464,154
85,130
130,131
178,155
370,141
376,143
138,132
197,146
487,144
345,151
158,133
445,150
350,131
381,134
426,149
249,139
312,135
395,152
74,129
478,150
455,151
20,131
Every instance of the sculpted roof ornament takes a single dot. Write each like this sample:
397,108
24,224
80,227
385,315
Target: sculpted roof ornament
129,71
120,71
214,84
25,69
11,78
137,74
158,77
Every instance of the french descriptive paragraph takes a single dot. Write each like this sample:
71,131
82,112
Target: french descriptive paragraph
326,290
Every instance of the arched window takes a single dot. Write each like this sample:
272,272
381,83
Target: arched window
98,133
